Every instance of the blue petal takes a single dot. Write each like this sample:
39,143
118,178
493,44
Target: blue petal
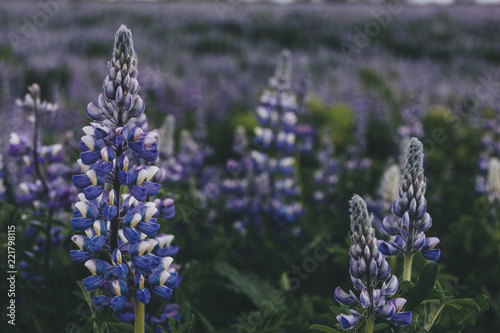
387,249
143,295
152,188
126,317
81,223
167,251
432,255
109,212
163,292
402,319
142,263
347,321
120,271
131,234
93,282
93,191
123,177
118,302
81,181
343,298
148,228
138,192
101,301
79,256
97,242
91,156
105,168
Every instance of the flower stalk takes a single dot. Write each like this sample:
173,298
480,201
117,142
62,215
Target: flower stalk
139,316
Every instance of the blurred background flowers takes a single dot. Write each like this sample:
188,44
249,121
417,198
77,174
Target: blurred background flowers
269,118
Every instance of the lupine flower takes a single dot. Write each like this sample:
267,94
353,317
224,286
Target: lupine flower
493,181
356,152
170,169
327,176
387,191
44,185
491,146
123,225
368,268
3,190
277,138
410,220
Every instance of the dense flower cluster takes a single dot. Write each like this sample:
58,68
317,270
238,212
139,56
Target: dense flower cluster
327,176
3,190
44,186
368,268
410,221
239,187
275,162
170,168
123,225
387,191
489,157
45,180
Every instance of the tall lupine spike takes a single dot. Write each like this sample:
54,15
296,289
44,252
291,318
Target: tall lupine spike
3,190
282,78
44,185
493,181
170,168
104,213
410,217
387,191
369,268
274,181
327,176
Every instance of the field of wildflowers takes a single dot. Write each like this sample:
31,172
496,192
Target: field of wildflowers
238,167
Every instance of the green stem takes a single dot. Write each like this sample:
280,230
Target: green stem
139,316
431,323
38,328
407,267
370,322
497,231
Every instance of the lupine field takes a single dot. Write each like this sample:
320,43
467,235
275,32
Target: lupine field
249,167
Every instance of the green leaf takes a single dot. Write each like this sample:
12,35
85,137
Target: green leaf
323,328
192,324
463,302
426,282
122,327
380,327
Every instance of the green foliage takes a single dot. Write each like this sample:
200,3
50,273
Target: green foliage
338,117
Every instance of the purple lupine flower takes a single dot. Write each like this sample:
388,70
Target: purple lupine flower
170,168
356,152
493,181
410,220
368,268
491,146
44,186
123,225
236,186
327,176
273,188
387,191
3,190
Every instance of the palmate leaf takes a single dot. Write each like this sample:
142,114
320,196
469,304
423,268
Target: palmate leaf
247,284
323,328
464,311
